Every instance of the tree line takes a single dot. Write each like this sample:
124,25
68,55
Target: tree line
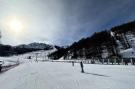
92,47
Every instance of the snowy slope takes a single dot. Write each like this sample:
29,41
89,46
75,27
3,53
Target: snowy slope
51,75
37,55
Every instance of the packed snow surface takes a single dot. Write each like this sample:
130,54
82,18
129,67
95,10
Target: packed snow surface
57,75
37,55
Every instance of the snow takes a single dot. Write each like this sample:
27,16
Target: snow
40,55
57,75
8,61
128,53
61,74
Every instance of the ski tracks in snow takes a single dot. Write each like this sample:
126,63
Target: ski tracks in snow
51,75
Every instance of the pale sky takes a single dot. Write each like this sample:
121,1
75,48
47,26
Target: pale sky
60,22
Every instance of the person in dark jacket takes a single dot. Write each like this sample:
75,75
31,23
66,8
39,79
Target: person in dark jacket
0,67
72,63
81,64
126,62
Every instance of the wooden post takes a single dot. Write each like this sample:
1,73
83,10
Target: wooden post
108,62
131,60
122,61
115,61
36,57
102,60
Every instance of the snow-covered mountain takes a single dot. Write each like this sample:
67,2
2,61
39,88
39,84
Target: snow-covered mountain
36,46
8,50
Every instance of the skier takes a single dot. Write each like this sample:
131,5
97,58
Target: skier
0,67
126,62
72,63
133,61
81,64
118,61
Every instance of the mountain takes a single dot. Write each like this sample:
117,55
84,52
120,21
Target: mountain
8,50
111,43
40,46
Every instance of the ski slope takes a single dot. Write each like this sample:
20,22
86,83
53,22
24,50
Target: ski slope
23,58
56,75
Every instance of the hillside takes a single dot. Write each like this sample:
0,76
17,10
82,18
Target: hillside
105,44
8,50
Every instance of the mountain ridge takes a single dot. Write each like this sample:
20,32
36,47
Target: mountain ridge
8,50
108,42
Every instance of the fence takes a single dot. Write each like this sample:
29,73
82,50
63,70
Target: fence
100,61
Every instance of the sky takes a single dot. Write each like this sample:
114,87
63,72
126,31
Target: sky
60,22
